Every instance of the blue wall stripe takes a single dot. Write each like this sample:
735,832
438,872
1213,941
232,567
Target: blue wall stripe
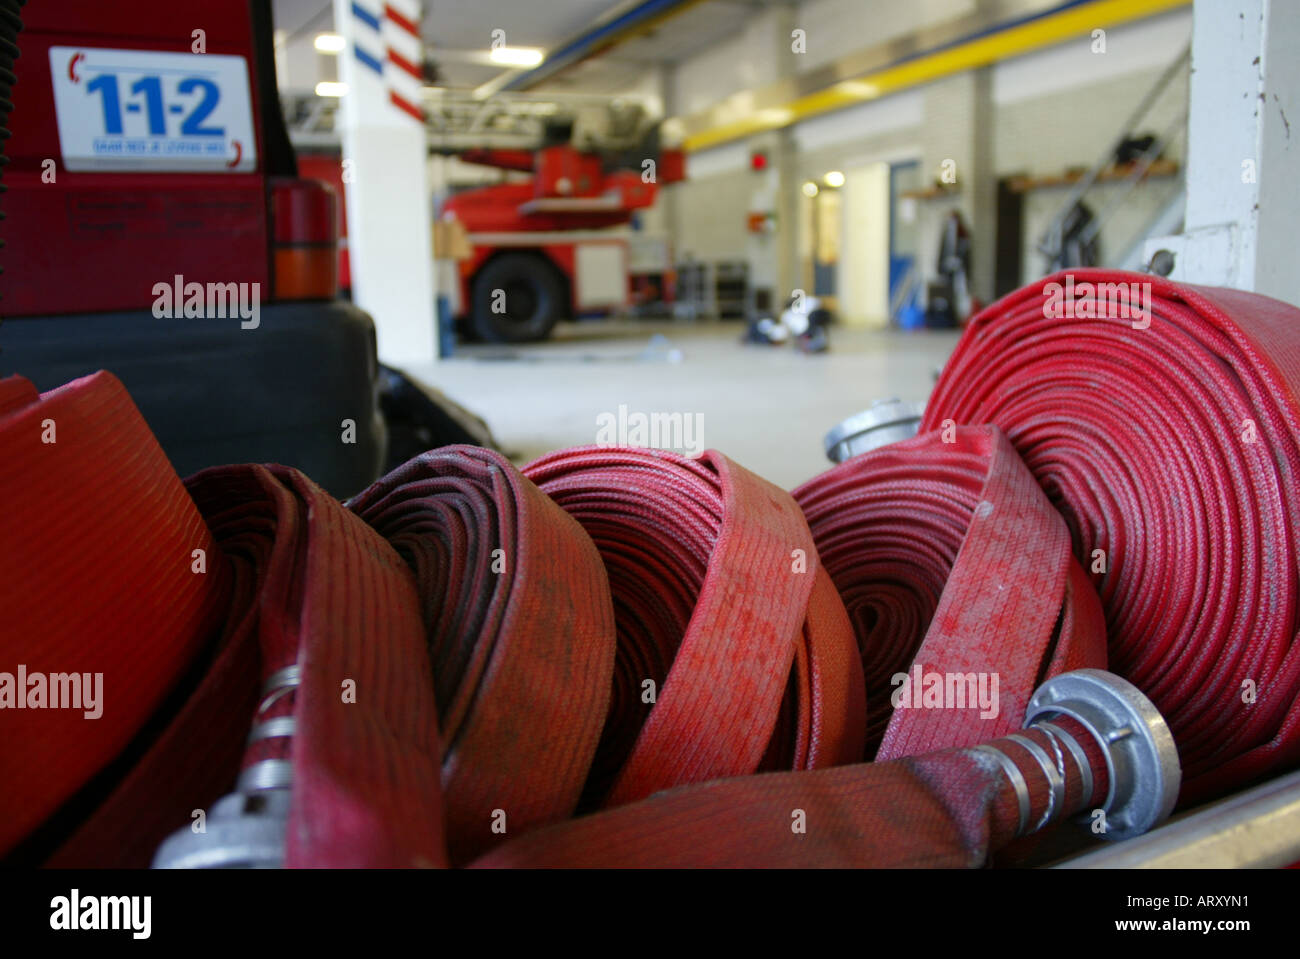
372,62
365,16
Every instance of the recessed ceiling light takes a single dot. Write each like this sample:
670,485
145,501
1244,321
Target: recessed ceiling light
834,178
810,188
517,56
331,88
330,43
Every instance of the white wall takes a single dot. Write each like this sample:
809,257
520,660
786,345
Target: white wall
1051,110
863,272
833,28
836,28
1134,48
647,88
1063,107
901,112
742,63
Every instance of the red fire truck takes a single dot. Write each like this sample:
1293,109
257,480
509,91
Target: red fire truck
543,248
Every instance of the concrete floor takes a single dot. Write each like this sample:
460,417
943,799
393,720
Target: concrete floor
767,408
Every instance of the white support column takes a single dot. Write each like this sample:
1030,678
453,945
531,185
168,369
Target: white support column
385,168
1242,205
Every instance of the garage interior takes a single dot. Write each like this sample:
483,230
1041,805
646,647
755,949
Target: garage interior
848,205
650,433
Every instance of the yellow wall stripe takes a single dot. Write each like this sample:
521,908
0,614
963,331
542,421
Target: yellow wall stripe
1002,45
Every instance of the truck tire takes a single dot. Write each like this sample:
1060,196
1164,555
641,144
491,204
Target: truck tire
532,296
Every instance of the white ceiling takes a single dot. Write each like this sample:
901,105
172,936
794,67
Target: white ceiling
684,35
459,32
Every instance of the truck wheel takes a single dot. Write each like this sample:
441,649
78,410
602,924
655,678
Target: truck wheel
527,295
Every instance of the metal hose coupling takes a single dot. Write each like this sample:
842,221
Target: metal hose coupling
1141,759
245,829
885,421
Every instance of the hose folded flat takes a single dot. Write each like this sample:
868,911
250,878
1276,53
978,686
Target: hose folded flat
320,595
949,809
334,602
255,569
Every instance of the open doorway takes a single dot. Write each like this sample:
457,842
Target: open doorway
826,229
906,306
862,238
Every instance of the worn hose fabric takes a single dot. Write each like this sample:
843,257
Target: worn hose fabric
734,652
948,809
520,635
952,564
338,601
1163,422
313,586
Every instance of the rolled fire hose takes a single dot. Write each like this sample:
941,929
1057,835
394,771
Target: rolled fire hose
943,552
1163,421
734,652
89,589
520,636
508,601
974,526
343,743
111,568
981,798
342,754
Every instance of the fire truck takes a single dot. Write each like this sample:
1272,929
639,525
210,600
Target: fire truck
545,242
543,248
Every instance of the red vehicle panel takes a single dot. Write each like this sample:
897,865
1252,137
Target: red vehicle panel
120,233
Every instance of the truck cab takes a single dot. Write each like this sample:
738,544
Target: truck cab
157,227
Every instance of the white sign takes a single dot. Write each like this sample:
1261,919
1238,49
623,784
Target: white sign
149,110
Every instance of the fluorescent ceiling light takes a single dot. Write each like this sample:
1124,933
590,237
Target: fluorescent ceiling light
517,56
834,178
329,43
330,88
860,89
775,116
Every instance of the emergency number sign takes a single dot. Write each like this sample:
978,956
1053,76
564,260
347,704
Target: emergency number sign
149,110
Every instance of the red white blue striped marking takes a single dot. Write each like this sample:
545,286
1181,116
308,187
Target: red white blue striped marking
393,29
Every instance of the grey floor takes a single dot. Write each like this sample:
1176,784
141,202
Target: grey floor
765,407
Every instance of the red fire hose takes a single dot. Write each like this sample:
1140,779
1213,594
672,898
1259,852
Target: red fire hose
944,809
520,636
734,652
960,533
1163,422
91,584
465,666
943,548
